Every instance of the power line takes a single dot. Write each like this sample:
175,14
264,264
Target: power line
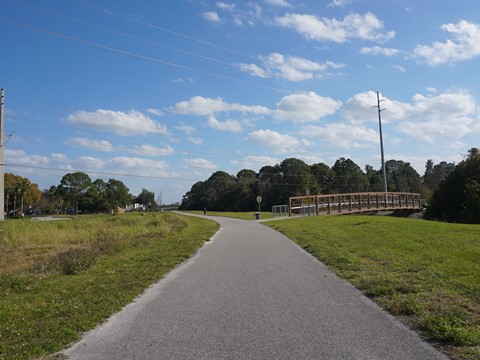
124,34
98,172
143,57
162,29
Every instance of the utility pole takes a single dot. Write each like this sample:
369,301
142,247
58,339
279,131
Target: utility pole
384,171
2,156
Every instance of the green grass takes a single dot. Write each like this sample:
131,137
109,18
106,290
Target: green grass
61,278
247,215
427,273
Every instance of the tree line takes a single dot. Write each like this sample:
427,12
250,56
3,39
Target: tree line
75,193
452,192
293,177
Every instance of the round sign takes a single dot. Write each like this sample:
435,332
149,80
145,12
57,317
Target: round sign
259,199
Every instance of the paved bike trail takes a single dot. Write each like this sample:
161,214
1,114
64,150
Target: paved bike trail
250,293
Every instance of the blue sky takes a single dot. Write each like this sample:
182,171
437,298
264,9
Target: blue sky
160,94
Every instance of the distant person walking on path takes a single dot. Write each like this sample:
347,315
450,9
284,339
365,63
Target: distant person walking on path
205,211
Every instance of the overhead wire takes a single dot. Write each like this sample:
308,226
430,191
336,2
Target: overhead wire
148,41
143,57
176,33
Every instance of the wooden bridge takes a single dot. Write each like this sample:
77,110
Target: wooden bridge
340,204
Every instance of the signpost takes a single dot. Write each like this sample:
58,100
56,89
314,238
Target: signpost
259,201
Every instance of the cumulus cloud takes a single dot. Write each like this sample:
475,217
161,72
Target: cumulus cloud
339,3
274,139
224,6
353,26
300,107
200,163
451,114
291,68
377,50
212,17
155,112
342,135
201,106
360,108
229,125
464,45
151,150
21,158
97,145
121,123
306,107
186,129
256,162
279,3
122,164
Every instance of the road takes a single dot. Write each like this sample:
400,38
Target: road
250,293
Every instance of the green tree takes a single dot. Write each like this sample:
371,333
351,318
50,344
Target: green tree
324,176
246,190
146,198
402,177
20,192
73,187
457,198
118,194
349,177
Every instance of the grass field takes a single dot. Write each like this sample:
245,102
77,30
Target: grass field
238,215
61,278
426,273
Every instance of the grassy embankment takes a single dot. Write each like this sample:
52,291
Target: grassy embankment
427,273
60,278
237,215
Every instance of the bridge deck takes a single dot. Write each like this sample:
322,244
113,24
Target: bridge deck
338,204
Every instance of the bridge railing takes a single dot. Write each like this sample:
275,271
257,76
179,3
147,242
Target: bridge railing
353,203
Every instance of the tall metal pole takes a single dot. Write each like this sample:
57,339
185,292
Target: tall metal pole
384,172
2,156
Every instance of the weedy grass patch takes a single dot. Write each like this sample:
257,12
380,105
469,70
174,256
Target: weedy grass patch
426,273
246,215
61,278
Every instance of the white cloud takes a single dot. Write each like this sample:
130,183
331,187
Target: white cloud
306,107
122,165
464,45
200,163
342,135
186,129
212,17
279,3
155,112
274,139
200,106
98,145
291,68
377,50
254,70
448,115
227,125
195,140
151,150
58,157
21,158
399,68
360,108
353,26
121,123
224,6
256,162
339,3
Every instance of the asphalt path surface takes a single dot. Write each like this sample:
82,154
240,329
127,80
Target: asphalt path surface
250,293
